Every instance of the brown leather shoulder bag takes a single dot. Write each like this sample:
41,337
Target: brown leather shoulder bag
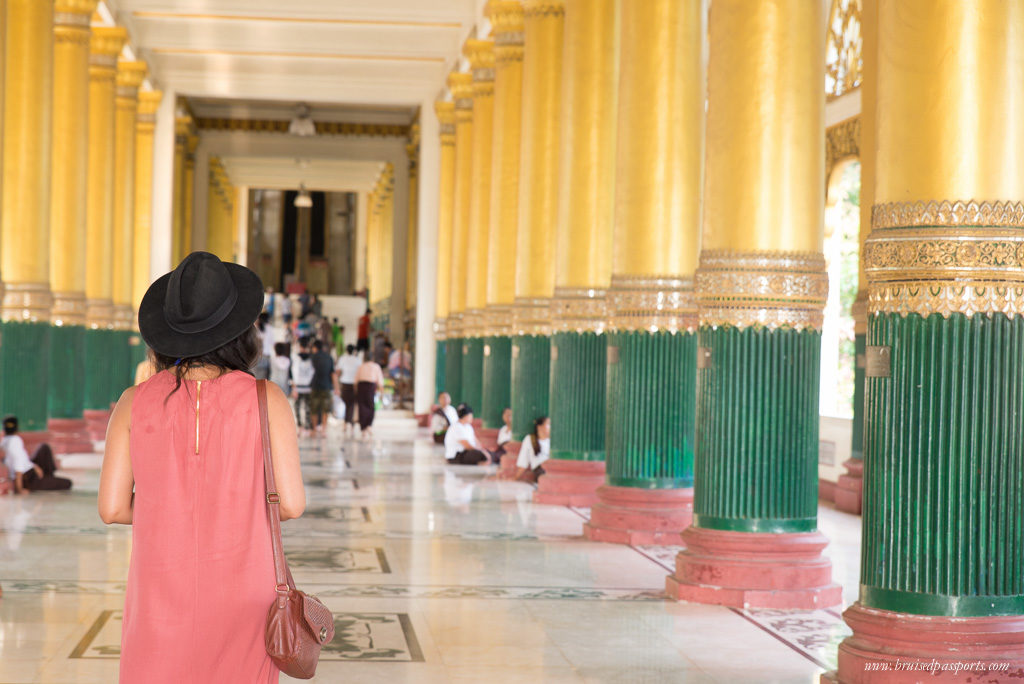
298,625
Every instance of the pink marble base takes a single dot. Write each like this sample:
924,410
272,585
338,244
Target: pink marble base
849,494
569,483
893,648
33,439
754,570
627,515
97,424
69,436
488,438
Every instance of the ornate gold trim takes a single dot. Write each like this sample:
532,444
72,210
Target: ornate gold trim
543,8
498,320
26,302
440,329
579,310
859,313
322,127
123,317
842,141
454,326
69,308
651,303
473,323
947,213
762,288
531,316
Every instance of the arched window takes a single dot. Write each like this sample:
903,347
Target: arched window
843,48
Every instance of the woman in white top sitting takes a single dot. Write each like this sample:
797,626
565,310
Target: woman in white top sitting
505,433
461,447
535,450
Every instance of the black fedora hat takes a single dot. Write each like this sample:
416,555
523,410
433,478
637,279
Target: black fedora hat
201,305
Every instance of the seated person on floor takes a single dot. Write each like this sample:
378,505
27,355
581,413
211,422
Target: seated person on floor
505,433
461,447
535,450
444,417
34,474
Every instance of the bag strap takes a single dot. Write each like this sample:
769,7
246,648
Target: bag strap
281,574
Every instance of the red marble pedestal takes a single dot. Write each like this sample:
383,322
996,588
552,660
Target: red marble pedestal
33,439
569,483
627,515
849,492
754,570
900,648
507,468
97,424
69,436
488,438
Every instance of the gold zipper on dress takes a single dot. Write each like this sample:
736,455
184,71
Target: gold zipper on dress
199,389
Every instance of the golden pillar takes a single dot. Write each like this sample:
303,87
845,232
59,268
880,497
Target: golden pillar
188,191
220,211
130,76
412,150
181,127
538,211
70,160
507,19
445,217
461,86
27,163
149,101
105,45
761,290
25,229
387,250
583,253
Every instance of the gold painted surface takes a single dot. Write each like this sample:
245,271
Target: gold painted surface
765,161
531,316
507,18
842,141
461,85
106,42
769,289
949,110
454,326
586,205
129,77
123,317
651,303
145,125
868,151
497,320
538,171
844,65
68,308
27,145
207,123
99,313
579,310
481,58
445,207
412,151
70,153
660,150
26,302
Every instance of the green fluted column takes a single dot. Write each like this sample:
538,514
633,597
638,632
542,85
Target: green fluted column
497,379
857,438
578,372
67,371
440,369
758,430
453,368
121,370
473,371
531,364
24,358
650,406
99,359
137,352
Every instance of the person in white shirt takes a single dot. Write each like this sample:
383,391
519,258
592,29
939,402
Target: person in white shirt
461,447
30,474
535,450
505,433
348,366
444,417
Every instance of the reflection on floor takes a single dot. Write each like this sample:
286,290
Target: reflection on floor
434,574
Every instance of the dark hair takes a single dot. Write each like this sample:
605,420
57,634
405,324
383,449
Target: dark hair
239,354
350,348
281,349
318,345
540,420
304,341
464,410
262,320
369,310
10,425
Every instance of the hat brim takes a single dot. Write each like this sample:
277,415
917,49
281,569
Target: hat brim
163,339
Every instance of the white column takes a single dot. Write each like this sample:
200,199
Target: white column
162,235
426,255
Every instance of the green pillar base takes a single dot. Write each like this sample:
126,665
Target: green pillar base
531,366
453,368
650,431
122,372
578,383
439,368
67,371
497,380
24,380
757,426
99,347
857,438
473,372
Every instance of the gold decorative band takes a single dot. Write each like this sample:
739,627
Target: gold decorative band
498,320
99,313
128,93
770,289
447,129
454,326
71,20
947,213
123,318
26,302
440,329
579,310
544,8
145,118
531,316
68,308
859,312
102,60
483,75
652,303
947,268
464,103
509,38
473,323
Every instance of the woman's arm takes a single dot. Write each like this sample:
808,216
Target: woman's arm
284,445
117,483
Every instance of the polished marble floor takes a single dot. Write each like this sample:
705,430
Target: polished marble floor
434,574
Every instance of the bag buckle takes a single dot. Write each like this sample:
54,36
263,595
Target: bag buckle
282,589
273,498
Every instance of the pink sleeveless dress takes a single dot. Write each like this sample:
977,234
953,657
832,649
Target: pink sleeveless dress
202,572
